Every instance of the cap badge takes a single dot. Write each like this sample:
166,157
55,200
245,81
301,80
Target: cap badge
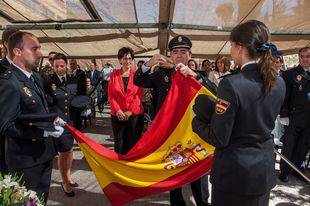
180,39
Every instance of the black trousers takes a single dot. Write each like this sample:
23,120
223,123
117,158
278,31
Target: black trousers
221,198
176,197
296,144
36,178
126,133
105,91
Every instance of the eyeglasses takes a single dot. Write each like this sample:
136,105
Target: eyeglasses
126,58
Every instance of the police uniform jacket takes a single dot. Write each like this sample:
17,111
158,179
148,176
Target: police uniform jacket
160,80
4,65
240,129
296,105
22,112
61,95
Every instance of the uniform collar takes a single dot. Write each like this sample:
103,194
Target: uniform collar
28,74
9,60
247,63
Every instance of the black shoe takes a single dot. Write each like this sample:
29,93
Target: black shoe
68,194
284,178
74,184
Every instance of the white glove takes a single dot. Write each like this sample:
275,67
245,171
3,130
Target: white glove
56,134
86,112
285,121
60,122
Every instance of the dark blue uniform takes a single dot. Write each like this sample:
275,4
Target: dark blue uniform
240,129
24,117
60,96
296,140
4,65
160,80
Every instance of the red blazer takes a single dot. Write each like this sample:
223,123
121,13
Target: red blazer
118,99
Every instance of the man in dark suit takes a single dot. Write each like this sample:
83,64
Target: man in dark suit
26,124
95,78
80,77
295,113
160,80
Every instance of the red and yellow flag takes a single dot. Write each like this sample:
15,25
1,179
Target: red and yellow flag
167,156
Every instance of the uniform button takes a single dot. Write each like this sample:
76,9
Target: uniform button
66,114
9,72
66,94
30,123
33,101
66,100
33,140
66,107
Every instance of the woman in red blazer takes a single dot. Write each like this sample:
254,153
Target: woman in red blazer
125,100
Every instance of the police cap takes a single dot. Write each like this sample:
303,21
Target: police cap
180,42
81,102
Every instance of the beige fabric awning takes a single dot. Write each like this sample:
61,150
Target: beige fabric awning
98,28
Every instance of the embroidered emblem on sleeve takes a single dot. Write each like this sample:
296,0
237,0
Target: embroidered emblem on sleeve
221,106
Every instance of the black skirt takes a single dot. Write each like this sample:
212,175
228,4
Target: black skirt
65,142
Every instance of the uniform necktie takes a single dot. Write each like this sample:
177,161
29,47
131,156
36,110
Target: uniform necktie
63,80
40,92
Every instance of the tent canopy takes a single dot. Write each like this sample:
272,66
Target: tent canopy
98,28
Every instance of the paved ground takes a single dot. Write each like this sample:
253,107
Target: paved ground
89,193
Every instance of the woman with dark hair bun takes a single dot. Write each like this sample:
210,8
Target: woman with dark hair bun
61,88
247,105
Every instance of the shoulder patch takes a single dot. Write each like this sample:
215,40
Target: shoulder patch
6,75
221,106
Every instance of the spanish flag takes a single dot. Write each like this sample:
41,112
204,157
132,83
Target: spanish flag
167,156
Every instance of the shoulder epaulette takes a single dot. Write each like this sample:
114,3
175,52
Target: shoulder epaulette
6,75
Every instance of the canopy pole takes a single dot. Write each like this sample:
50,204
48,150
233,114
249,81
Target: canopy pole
60,26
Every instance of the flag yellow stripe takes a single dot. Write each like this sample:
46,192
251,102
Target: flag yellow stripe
144,172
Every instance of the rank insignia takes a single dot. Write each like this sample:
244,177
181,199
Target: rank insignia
221,106
54,87
27,91
298,77
166,79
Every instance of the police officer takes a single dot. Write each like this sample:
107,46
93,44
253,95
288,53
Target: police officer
248,102
26,123
160,80
296,114
62,88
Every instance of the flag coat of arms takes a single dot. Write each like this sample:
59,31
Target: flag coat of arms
168,155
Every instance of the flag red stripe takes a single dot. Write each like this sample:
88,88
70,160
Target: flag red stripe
127,193
168,118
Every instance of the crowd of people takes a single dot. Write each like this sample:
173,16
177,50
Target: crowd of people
258,104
